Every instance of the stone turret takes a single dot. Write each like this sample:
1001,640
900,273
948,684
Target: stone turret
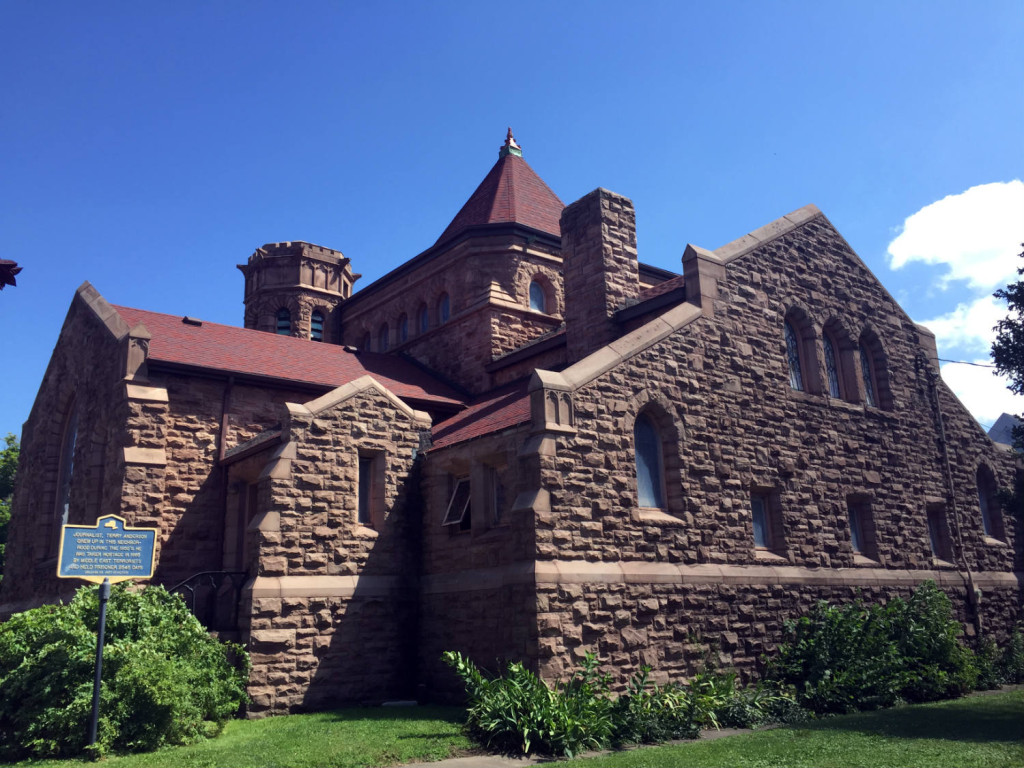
294,288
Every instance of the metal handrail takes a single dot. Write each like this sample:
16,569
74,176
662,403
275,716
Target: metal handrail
206,597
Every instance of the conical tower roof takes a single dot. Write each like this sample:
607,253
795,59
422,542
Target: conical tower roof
510,193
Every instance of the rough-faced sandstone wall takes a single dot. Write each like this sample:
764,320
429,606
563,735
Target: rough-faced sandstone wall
476,593
732,426
331,616
83,381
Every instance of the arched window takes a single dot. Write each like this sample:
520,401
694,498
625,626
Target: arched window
832,366
874,374
316,325
403,329
991,514
796,377
538,301
383,338
284,322
650,466
444,309
67,465
424,318
365,346
867,375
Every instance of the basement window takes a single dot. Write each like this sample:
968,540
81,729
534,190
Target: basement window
459,510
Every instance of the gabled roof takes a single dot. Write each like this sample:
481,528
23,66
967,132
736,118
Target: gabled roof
243,351
499,409
510,193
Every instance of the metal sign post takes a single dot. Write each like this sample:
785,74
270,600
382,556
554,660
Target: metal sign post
105,553
95,719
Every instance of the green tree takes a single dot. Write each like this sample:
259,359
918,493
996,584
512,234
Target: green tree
1008,355
1008,348
8,466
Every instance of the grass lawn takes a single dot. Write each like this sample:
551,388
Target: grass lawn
984,731
345,738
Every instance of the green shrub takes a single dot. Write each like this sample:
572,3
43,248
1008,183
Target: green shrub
648,713
1011,661
858,657
519,713
165,679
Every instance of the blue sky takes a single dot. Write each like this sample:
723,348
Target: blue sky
151,147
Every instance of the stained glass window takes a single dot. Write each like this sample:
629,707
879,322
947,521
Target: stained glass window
796,380
831,367
868,375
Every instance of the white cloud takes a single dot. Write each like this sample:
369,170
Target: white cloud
984,393
968,328
976,235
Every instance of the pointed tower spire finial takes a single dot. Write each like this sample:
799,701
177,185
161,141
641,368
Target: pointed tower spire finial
510,147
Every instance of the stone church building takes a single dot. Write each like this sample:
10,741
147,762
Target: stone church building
523,443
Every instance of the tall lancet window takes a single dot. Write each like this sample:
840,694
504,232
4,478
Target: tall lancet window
831,367
796,379
67,466
650,474
867,373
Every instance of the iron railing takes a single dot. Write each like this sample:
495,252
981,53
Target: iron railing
213,597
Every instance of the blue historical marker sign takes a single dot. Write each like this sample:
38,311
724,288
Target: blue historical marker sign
108,550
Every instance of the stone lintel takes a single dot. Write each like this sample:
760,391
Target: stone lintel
641,572
155,457
145,393
321,586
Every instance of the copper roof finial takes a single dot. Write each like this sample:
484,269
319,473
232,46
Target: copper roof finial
510,147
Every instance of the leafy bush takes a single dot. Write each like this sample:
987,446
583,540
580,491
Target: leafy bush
165,680
648,713
857,657
1011,662
519,713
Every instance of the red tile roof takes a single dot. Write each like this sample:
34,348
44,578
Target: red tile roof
660,289
257,353
510,192
500,409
